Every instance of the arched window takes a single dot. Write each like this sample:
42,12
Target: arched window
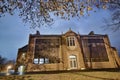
73,61
70,41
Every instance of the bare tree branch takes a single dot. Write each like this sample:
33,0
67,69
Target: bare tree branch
38,12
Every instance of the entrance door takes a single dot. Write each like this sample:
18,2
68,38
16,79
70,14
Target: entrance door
73,62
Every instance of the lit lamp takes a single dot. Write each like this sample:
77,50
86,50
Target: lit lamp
8,67
21,69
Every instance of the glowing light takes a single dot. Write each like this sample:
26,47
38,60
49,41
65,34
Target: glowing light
8,67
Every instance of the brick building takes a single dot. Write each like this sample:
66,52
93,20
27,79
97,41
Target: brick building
67,51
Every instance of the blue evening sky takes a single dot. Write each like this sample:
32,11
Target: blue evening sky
14,34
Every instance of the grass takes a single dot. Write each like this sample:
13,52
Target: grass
91,75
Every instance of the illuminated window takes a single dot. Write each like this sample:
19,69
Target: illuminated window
36,60
41,60
70,41
46,60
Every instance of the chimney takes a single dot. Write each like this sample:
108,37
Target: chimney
37,33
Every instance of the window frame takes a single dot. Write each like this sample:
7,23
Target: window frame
70,41
41,60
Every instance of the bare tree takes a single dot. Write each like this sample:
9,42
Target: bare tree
2,62
40,12
114,7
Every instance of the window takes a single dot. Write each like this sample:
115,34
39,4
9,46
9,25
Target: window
46,60
44,45
70,41
97,53
36,60
95,41
73,62
41,60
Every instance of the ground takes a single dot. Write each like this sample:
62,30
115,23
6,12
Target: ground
79,75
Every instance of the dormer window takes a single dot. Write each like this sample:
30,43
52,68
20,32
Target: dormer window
70,41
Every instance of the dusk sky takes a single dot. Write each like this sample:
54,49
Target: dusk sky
14,33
